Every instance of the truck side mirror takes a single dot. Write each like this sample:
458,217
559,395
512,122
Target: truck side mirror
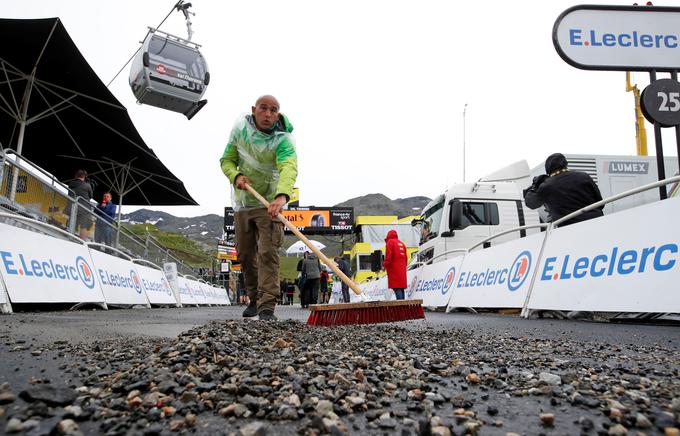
376,261
456,215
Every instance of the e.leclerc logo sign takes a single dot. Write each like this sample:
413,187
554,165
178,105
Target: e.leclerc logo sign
48,269
513,276
619,262
443,284
626,38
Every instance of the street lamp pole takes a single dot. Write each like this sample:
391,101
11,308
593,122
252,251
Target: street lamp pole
464,111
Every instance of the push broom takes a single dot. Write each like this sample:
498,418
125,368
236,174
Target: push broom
364,312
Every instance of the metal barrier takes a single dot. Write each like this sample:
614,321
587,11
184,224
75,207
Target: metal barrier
31,192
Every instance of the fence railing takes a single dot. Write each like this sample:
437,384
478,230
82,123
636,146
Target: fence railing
39,196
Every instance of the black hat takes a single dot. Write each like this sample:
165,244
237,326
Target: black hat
555,162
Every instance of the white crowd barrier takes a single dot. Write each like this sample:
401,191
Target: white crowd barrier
155,285
498,276
624,262
41,269
37,267
5,306
186,297
119,279
628,262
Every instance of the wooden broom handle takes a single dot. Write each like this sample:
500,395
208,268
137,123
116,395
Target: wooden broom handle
303,238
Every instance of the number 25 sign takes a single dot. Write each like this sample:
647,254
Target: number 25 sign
660,102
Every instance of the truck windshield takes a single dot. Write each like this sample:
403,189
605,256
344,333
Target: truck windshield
432,217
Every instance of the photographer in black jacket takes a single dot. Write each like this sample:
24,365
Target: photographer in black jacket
563,191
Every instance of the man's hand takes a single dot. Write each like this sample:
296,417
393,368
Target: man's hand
276,205
240,182
538,180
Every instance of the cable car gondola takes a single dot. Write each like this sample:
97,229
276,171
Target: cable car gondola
170,72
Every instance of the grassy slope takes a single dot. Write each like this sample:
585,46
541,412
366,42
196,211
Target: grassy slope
181,246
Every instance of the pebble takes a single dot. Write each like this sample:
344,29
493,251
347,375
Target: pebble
49,395
68,427
256,428
7,397
617,430
13,426
547,419
550,379
641,421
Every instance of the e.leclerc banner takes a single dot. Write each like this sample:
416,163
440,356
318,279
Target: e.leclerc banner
120,281
498,276
156,286
628,262
434,283
185,295
38,268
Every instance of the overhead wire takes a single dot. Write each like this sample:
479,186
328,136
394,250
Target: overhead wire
179,3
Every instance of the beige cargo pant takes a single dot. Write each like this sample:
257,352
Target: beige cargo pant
258,240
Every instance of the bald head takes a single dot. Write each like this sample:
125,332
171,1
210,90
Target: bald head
269,99
266,112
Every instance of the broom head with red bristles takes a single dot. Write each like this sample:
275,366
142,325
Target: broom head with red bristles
369,312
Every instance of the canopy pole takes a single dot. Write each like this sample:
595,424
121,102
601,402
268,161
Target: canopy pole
22,129
120,208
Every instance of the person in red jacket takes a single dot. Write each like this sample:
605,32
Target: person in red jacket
395,264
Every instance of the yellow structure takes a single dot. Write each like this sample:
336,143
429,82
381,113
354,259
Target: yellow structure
640,131
35,196
360,253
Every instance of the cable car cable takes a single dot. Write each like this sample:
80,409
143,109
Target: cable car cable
176,6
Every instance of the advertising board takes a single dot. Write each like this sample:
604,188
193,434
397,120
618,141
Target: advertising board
37,268
120,281
498,276
156,286
625,262
627,38
309,220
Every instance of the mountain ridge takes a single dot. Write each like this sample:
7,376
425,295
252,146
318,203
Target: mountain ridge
207,229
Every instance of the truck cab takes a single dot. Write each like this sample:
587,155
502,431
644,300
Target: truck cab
467,213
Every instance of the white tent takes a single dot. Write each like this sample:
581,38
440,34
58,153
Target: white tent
299,247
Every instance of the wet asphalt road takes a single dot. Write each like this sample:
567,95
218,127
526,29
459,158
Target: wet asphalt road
21,334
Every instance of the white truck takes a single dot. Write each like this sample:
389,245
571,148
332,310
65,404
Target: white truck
467,213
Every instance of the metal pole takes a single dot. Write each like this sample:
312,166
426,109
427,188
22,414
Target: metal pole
120,208
663,194
22,130
464,111
674,76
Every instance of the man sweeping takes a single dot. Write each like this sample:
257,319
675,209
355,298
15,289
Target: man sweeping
260,153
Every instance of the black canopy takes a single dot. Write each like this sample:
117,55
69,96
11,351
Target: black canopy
71,120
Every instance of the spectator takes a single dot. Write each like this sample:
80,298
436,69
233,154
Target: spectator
563,191
82,191
290,292
343,266
311,269
301,277
323,284
260,153
395,264
106,210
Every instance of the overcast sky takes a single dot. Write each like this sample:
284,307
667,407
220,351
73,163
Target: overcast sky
375,89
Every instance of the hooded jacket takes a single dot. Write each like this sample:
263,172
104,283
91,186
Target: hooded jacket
395,261
268,159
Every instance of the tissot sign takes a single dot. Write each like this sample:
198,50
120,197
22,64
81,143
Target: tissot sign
626,38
